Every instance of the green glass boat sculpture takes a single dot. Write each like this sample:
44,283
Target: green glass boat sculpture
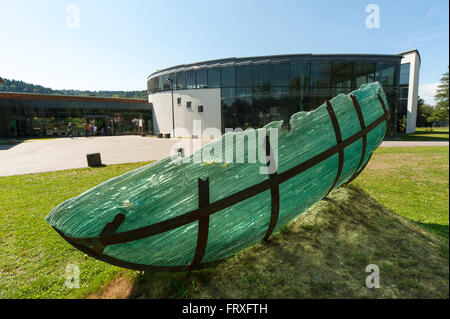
184,214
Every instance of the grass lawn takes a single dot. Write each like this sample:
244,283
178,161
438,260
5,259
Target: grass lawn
413,182
33,258
321,254
426,134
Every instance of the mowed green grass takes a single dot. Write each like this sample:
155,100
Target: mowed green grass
426,134
413,182
33,257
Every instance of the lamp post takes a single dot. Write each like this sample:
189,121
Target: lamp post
173,115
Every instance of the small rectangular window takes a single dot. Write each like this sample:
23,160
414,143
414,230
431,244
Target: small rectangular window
200,108
188,104
179,101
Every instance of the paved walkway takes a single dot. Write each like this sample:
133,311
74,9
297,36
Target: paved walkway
413,143
35,156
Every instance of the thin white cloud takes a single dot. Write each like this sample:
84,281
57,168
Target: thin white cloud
428,91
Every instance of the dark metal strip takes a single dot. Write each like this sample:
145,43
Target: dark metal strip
203,223
360,171
364,145
337,132
135,266
235,198
108,230
274,191
385,110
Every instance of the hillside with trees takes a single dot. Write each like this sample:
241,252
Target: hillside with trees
23,87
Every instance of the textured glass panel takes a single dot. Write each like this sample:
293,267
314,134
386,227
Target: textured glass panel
202,78
214,77
228,76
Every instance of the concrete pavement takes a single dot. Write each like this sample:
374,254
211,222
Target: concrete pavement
35,156
413,143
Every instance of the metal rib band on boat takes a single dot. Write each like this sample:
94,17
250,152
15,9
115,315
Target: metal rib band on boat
364,142
338,134
203,223
274,190
386,112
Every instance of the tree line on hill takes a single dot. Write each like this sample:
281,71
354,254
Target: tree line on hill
23,87
427,114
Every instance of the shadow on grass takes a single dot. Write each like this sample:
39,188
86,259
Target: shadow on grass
441,230
425,136
321,254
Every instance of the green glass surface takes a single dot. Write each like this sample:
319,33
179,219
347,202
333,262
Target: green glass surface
167,188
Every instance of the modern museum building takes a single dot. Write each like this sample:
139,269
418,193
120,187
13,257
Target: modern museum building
223,94
253,91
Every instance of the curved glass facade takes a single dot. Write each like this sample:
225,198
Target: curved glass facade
255,91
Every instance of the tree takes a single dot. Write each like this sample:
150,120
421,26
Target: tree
440,112
424,112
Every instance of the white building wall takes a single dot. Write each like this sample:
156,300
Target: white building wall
184,116
413,92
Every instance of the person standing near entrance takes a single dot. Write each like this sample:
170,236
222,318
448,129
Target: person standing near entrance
69,130
94,129
86,129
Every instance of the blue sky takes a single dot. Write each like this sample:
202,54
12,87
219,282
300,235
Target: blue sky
119,43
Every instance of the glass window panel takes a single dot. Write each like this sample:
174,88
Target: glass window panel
164,82
364,72
261,78
342,74
244,91
244,76
280,89
279,74
386,74
229,114
190,79
181,80
320,75
173,77
404,92
404,73
214,77
299,76
202,78
228,76
228,92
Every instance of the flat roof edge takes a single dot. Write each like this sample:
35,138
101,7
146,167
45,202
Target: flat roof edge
241,59
33,96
